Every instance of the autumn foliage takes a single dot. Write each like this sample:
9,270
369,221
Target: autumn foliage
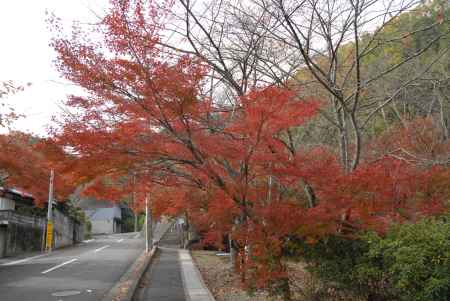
145,126
7,112
26,162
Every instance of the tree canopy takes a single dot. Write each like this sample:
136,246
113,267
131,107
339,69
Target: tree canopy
149,124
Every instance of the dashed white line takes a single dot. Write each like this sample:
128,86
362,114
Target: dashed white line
59,265
23,260
120,240
87,241
102,248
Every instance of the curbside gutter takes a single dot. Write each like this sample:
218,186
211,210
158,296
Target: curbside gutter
124,289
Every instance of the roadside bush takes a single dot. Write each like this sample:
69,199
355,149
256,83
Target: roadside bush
412,262
334,261
414,259
88,229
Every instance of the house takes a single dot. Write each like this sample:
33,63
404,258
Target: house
105,216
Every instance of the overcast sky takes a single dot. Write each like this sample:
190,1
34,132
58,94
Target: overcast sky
26,57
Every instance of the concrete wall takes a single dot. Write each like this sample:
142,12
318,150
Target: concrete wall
103,227
3,240
22,238
66,231
19,234
108,226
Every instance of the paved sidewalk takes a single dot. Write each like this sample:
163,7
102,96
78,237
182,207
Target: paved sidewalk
172,275
163,279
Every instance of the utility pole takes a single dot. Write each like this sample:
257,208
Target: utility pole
148,227
49,236
133,202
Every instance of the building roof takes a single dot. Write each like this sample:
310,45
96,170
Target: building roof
17,195
99,214
91,203
17,191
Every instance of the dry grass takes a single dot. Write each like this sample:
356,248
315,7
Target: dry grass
225,286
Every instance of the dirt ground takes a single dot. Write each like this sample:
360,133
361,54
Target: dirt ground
225,286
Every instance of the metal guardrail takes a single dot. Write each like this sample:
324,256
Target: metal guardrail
17,218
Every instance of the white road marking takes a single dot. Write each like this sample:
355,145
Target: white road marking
99,249
120,240
59,265
87,241
23,260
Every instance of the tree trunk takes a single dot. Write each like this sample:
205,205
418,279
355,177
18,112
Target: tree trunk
309,191
233,253
443,116
285,289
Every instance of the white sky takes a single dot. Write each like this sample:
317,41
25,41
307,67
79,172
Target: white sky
26,57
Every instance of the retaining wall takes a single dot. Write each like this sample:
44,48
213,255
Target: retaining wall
20,233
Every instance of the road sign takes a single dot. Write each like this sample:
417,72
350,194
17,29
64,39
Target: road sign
49,235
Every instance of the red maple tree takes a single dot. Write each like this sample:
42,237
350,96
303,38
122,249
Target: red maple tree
145,124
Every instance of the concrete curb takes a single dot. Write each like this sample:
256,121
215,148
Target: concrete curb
195,288
125,288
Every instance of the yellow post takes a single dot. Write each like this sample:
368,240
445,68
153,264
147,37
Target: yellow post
49,236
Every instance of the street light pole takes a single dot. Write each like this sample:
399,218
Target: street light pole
49,236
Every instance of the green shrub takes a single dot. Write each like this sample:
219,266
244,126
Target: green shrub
414,259
412,262
88,232
333,260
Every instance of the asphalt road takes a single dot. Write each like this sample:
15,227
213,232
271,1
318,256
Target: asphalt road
84,272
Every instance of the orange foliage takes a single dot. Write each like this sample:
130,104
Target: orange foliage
145,126
25,163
